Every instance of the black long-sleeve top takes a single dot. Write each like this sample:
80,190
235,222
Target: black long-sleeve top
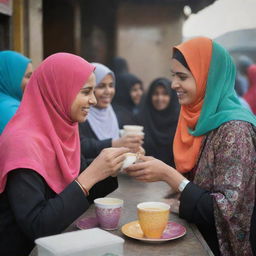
196,206
29,209
91,146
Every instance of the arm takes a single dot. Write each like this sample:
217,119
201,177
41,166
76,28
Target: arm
102,188
38,211
91,147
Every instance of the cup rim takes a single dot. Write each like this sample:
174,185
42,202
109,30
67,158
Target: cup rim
144,205
133,127
119,203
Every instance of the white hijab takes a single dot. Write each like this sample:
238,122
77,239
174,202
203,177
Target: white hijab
103,121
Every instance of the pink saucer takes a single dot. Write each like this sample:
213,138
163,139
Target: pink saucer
173,231
86,223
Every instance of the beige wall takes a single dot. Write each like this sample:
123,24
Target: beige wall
145,35
35,32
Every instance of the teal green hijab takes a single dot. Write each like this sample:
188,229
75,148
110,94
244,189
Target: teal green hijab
13,66
221,103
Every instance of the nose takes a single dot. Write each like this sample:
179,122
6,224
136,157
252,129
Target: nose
107,90
175,83
93,100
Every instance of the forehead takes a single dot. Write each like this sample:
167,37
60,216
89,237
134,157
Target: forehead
29,67
107,79
176,66
159,89
91,82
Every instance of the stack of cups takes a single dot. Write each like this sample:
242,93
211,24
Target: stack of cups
132,130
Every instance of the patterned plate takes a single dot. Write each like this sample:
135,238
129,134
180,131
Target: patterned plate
86,223
173,231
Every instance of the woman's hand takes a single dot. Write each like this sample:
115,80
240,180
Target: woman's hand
149,170
152,169
106,164
133,142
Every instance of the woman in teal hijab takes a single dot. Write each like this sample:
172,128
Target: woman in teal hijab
214,150
15,71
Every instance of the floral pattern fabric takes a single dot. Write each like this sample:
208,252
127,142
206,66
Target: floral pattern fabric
227,168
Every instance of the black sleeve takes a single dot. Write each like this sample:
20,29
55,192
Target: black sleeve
196,205
90,145
37,213
103,188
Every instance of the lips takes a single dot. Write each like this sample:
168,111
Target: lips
180,94
85,111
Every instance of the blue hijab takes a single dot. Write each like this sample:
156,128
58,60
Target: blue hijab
13,66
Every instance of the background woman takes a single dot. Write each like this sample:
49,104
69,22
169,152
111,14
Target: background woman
129,93
101,130
215,145
41,190
159,116
15,71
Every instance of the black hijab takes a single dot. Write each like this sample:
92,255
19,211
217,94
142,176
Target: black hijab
124,84
119,66
160,126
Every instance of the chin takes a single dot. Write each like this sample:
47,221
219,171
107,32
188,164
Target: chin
82,119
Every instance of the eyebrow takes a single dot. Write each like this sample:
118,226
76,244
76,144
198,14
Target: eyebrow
87,88
178,73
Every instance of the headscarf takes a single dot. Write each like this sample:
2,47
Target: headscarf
13,66
42,136
103,121
216,100
160,125
119,65
250,95
124,85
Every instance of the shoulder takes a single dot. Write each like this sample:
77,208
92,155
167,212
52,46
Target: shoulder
85,129
234,132
235,127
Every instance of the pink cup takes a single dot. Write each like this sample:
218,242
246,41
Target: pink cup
108,211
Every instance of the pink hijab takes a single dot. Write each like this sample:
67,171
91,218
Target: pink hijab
42,136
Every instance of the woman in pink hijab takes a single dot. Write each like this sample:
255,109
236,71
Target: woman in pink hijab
41,190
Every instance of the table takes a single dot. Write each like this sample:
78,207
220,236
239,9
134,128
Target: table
134,192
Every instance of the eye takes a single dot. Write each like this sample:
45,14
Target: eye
101,86
86,92
182,78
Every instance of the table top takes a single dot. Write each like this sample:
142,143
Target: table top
134,192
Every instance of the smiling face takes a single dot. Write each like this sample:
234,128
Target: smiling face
183,83
26,76
105,92
84,100
136,93
160,98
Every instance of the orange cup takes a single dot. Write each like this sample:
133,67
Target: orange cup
153,218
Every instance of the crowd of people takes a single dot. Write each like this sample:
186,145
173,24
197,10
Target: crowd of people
61,144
